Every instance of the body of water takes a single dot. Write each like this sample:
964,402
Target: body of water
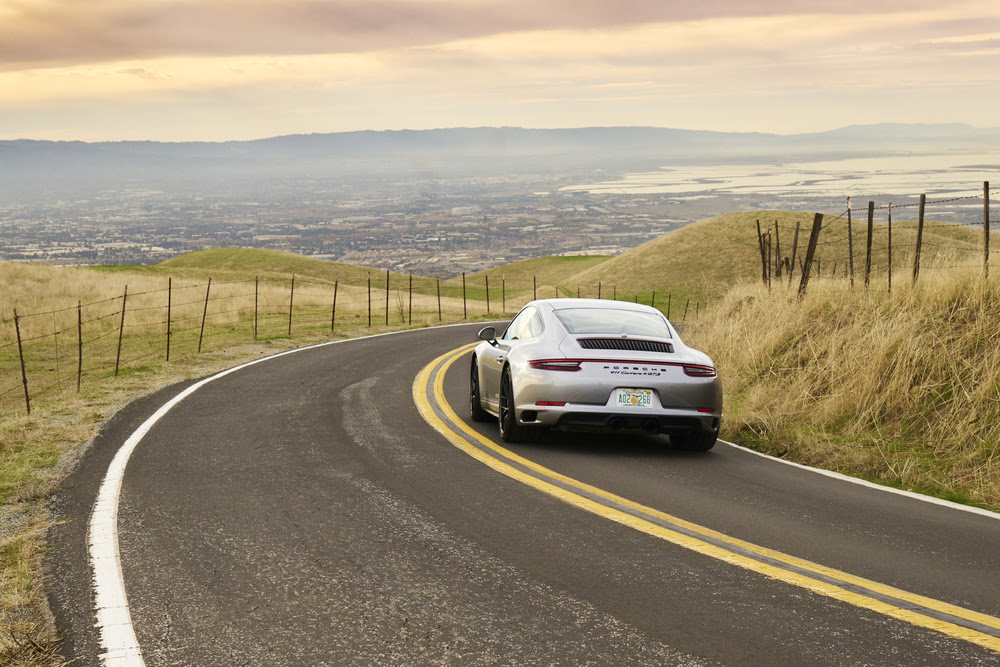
901,176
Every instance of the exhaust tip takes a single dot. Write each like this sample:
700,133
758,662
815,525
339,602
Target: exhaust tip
616,424
651,426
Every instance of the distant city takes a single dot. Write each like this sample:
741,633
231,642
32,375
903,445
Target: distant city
444,216
455,228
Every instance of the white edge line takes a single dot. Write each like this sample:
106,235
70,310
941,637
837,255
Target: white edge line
114,622
872,485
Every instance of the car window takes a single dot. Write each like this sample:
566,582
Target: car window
613,321
516,329
534,326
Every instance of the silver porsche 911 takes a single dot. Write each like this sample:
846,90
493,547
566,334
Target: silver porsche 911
589,364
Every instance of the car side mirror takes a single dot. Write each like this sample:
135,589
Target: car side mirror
488,334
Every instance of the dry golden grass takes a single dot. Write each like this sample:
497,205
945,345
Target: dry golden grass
703,260
900,388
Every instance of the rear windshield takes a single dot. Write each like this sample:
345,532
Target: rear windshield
613,321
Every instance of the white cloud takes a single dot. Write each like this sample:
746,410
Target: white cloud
308,65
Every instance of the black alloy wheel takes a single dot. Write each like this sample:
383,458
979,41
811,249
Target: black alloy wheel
475,404
508,421
510,430
695,442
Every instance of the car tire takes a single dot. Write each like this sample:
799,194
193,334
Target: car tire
510,430
475,403
695,442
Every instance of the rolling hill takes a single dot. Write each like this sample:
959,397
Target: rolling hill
701,261
705,259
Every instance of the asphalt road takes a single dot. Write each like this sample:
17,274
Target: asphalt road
301,512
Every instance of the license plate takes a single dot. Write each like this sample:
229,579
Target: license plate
634,398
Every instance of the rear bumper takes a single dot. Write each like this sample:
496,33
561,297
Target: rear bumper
572,418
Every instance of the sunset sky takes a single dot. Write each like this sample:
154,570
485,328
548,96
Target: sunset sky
243,69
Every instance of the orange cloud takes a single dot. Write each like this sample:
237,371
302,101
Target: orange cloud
46,32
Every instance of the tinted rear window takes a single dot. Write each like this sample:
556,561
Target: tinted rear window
612,321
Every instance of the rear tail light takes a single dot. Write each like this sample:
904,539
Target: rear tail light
707,411
700,371
556,364
550,404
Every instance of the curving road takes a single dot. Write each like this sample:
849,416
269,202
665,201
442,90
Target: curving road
301,511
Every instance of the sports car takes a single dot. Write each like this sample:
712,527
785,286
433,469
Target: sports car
594,365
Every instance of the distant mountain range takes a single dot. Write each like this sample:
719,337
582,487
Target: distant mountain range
28,164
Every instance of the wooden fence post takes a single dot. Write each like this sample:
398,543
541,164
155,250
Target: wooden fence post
256,293
777,250
503,294
767,269
868,246
79,338
986,229
652,302
487,293
920,237
369,299
763,258
170,294
439,296
55,340
795,247
686,304
598,290
810,252
121,331
889,248
20,354
291,300
534,288
668,305
850,241
409,318
387,297
614,292
465,312
204,314
333,311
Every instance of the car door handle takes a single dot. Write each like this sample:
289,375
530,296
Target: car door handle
500,359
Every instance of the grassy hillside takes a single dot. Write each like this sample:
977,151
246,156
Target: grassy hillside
546,270
256,261
275,265
701,261
705,259
900,388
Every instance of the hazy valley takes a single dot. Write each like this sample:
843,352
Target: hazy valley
442,202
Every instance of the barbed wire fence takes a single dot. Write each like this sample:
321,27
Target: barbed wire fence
835,243
65,349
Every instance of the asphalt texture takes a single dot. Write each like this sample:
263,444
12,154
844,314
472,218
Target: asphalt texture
300,512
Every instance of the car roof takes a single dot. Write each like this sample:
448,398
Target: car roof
595,304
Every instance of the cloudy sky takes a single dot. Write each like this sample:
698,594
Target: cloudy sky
242,69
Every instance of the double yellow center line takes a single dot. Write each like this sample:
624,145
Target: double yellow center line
428,394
